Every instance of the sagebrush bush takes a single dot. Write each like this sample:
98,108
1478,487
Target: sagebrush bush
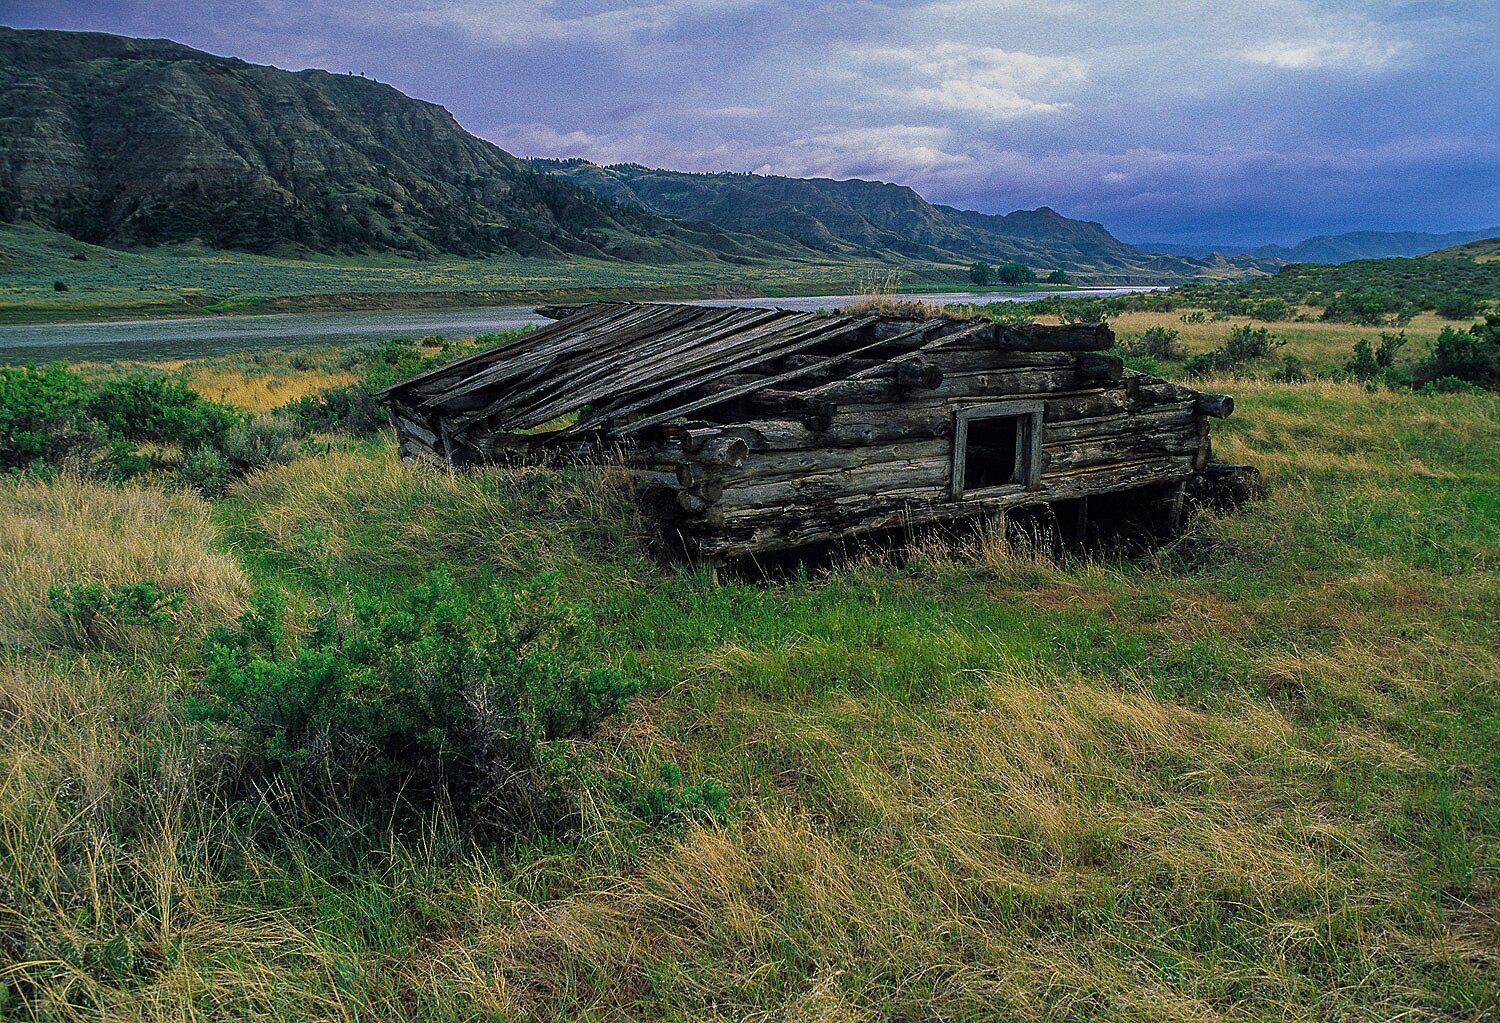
42,420
1471,356
1370,362
91,616
1158,342
439,696
159,407
1457,307
1375,307
1244,344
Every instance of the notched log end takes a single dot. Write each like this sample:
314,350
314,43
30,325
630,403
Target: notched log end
1220,406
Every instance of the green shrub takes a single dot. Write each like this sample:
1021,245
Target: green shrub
1011,314
1271,310
1368,362
666,799
1457,307
1451,385
206,470
1157,342
1243,344
1293,371
1472,356
159,407
264,440
1083,310
88,616
439,696
42,418
1373,308
1246,342
352,408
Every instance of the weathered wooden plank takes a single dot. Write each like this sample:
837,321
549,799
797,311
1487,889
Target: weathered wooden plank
1006,383
1114,448
1220,406
464,367
704,402
792,333
722,532
669,358
1156,418
595,339
1083,337
805,463
979,360
837,484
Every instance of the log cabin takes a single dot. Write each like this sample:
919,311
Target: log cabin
768,430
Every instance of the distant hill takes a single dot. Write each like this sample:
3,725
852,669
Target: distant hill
136,142
144,142
1334,248
858,217
1484,250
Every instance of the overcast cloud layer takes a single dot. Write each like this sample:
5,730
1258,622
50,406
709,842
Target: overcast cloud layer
1175,120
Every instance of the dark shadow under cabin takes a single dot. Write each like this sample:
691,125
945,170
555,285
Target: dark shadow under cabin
767,430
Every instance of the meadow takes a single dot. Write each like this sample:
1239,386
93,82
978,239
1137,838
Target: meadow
1251,775
189,280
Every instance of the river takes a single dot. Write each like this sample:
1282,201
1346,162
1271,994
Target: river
204,336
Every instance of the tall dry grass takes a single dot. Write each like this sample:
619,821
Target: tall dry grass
66,531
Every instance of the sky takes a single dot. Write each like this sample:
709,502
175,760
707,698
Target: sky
1247,121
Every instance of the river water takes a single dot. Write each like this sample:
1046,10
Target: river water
203,336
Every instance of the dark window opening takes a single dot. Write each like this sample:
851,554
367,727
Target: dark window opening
993,454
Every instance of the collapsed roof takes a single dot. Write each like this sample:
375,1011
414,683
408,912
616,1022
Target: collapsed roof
624,367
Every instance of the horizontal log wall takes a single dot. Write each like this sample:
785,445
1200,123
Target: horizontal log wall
885,463
873,448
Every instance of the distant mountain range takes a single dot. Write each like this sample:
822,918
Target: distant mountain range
135,143
1333,248
864,218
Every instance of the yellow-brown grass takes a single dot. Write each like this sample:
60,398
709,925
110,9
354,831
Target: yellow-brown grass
1322,345
65,531
262,391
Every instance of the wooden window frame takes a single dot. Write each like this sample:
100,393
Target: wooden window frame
1028,446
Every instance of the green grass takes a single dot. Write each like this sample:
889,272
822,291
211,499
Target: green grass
189,280
1251,776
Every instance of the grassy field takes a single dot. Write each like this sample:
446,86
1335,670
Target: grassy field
1250,776
1323,346
189,280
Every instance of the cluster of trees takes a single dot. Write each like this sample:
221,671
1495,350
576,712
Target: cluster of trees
1012,272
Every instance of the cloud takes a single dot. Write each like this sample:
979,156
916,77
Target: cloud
523,22
897,152
984,82
1340,54
1175,117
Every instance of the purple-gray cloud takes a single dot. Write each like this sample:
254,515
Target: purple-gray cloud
1176,120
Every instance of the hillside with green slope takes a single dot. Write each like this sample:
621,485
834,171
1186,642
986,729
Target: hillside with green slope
875,218
142,142
1483,250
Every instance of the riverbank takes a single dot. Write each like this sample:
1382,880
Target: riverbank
187,337
48,278
438,301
